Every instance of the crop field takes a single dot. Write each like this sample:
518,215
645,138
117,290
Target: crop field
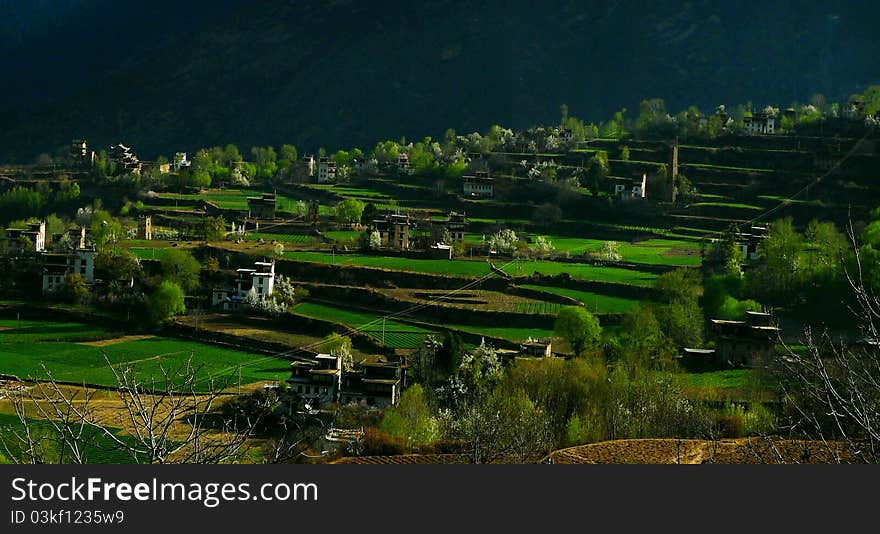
594,302
24,331
232,199
392,333
478,268
651,251
283,238
152,253
343,235
537,308
99,449
24,352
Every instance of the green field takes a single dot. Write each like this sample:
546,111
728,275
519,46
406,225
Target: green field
537,308
97,449
232,199
283,238
650,251
595,302
396,334
24,350
478,268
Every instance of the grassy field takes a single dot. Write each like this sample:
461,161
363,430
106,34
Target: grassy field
595,302
98,449
232,199
651,251
532,308
396,334
283,238
477,268
60,347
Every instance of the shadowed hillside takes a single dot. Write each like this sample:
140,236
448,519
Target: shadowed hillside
338,73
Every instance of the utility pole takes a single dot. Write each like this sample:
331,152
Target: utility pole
383,330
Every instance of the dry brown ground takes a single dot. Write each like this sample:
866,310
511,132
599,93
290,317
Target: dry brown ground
691,451
114,340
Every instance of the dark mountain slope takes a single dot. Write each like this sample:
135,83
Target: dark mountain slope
348,73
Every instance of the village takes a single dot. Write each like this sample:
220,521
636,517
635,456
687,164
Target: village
348,285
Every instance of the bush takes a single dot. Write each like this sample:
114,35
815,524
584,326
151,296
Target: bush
378,443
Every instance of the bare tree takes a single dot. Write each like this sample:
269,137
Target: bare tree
170,418
832,388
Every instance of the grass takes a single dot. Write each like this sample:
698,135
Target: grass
24,351
282,238
392,333
537,308
595,302
478,268
727,205
97,449
232,199
650,251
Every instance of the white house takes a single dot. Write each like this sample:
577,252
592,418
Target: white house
56,266
326,170
760,124
261,279
318,381
36,232
478,185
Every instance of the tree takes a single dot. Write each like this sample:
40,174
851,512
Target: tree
412,419
681,316
349,210
642,339
597,171
75,289
168,418
832,388
213,228
182,268
265,160
375,240
610,251
121,264
370,213
106,230
166,302
578,327
503,241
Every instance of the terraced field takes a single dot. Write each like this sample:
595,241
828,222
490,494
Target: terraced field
595,302
477,268
651,251
388,332
231,199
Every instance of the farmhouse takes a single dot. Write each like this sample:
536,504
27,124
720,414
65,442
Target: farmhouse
478,185
326,170
393,230
629,187
403,164
375,384
760,123
261,280
57,265
750,243
743,343
316,382
76,238
125,158
262,207
537,348
180,161
35,234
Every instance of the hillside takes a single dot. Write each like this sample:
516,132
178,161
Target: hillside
338,73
